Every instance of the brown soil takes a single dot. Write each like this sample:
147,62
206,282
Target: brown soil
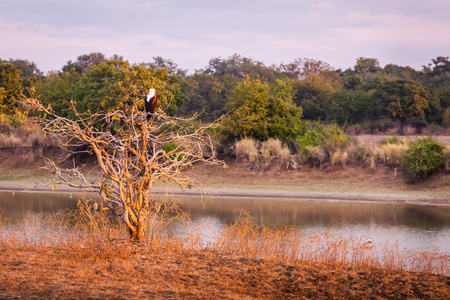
141,273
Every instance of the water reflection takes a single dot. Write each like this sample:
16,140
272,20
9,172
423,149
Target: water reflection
416,227
16,204
307,213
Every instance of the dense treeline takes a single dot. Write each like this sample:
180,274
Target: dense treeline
258,101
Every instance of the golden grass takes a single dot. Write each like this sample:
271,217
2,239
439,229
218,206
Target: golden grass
26,137
84,254
391,154
10,141
262,154
247,148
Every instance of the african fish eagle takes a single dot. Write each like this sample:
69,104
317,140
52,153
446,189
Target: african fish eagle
151,101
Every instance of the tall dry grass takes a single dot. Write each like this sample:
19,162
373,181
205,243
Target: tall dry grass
287,244
391,152
247,148
84,254
88,230
24,137
263,153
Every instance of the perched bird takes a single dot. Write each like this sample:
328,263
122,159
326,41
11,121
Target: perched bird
150,102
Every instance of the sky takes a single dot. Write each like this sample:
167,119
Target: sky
192,32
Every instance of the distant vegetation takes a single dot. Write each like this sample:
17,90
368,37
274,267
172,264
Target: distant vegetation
305,105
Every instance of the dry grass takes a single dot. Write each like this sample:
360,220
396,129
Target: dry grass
339,157
85,255
24,137
263,154
388,154
247,148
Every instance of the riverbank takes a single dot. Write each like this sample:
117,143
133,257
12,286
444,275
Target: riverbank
240,179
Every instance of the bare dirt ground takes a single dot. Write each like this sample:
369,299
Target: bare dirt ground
140,273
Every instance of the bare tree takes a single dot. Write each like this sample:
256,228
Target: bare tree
132,154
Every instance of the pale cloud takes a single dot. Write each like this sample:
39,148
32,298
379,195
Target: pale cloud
323,5
395,28
40,42
50,32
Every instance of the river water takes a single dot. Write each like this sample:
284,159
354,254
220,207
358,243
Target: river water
413,227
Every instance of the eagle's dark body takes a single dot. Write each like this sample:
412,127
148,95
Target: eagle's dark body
151,101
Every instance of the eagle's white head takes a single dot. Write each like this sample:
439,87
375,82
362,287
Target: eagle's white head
151,93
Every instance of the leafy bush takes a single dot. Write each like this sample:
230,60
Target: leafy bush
395,140
423,157
309,139
324,142
333,138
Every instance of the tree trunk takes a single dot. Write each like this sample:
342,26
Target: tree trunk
137,233
401,130
136,227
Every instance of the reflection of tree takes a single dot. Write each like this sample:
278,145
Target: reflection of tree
14,206
320,213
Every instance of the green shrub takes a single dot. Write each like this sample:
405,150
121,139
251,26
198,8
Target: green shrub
333,138
394,140
309,139
423,157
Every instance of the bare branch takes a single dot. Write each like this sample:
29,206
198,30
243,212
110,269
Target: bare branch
132,153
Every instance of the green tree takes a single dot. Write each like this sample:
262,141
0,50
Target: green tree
261,111
311,94
302,68
352,80
348,106
27,68
58,90
395,72
401,99
206,93
84,62
10,88
103,88
241,67
367,65
435,77
171,67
